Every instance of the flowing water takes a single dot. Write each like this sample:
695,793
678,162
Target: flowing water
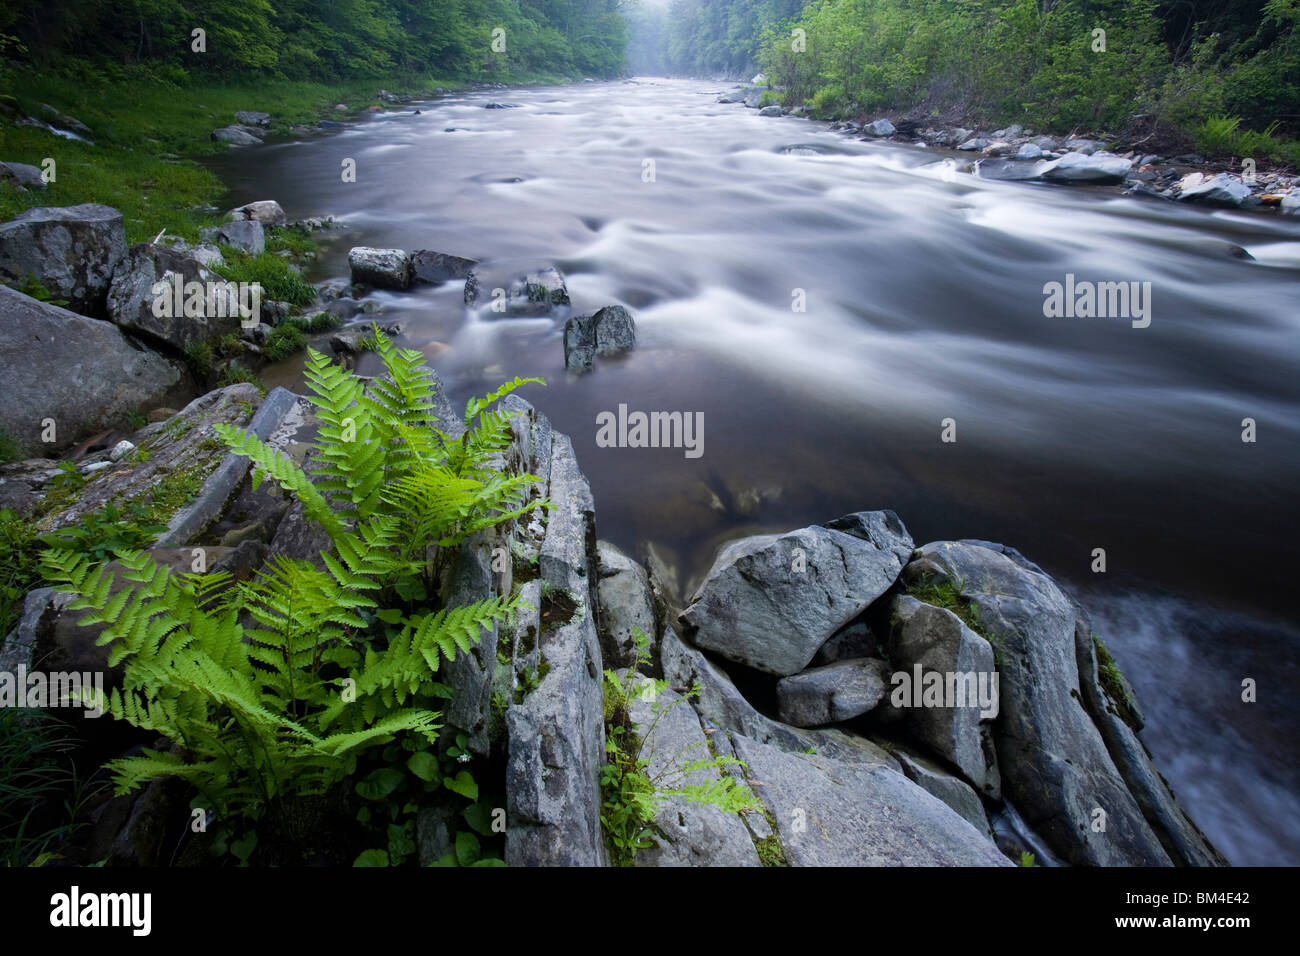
922,299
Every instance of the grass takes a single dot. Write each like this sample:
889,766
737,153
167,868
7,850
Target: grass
40,794
1223,136
9,450
947,595
285,339
19,559
279,282
1113,683
148,135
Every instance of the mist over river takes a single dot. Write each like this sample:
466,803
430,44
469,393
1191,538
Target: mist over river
924,301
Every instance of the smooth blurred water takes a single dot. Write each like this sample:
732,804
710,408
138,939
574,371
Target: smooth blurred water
924,301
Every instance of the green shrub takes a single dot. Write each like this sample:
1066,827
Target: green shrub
284,340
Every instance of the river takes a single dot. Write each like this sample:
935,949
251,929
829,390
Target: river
922,299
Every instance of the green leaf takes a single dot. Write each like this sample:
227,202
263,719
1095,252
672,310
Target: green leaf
424,765
244,846
372,858
464,784
467,848
380,783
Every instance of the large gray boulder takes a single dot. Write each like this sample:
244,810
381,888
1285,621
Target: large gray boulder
830,694
1081,168
834,812
135,294
235,136
22,176
770,601
72,250
438,267
246,235
82,373
686,833
253,118
265,211
955,792
936,641
625,606
1290,204
382,268
1054,763
1220,190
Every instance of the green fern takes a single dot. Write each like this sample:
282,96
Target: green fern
270,688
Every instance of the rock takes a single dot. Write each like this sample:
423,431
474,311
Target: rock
976,142
830,694
931,778
1045,143
500,106
235,136
533,293
1290,204
247,235
132,298
855,640
1220,190
770,111
207,255
832,812
253,118
1087,168
1029,151
1008,170
615,330
884,529
1085,146
121,450
72,250
579,343
999,148
557,734
937,642
624,605
382,268
686,833
22,175
771,601
64,122
265,211
1053,761
881,127
81,372
1181,838
439,267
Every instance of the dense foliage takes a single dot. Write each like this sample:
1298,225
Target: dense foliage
322,39
1191,65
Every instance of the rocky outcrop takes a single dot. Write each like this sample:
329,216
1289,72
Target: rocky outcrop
72,250
1054,763
625,606
76,373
